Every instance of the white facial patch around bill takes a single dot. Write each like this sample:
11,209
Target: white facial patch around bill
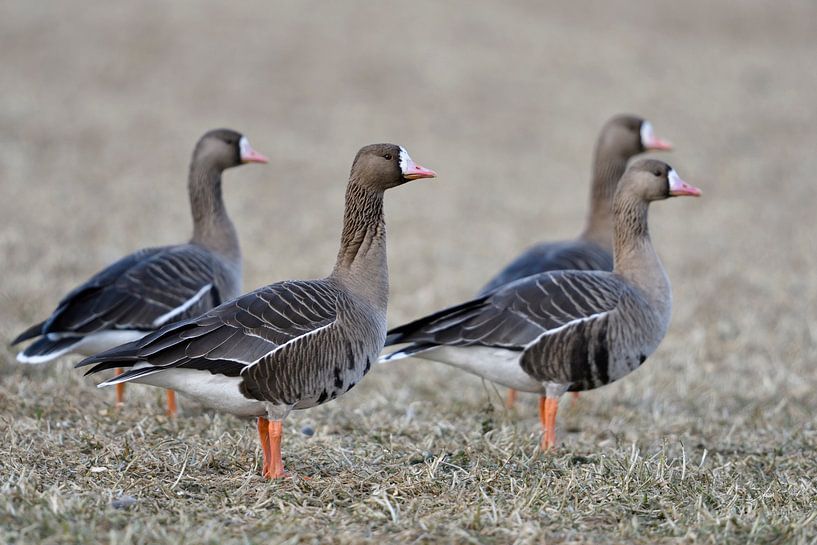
406,164
675,181
244,146
647,134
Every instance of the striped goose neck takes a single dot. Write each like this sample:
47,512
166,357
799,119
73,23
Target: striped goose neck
634,256
608,167
212,227
361,264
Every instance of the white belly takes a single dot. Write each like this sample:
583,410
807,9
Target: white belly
495,364
215,391
85,346
105,340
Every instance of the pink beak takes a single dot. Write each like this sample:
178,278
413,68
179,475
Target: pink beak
249,155
679,188
651,142
658,144
252,156
411,170
415,172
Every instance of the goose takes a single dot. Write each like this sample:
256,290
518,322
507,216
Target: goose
564,330
622,137
155,286
289,345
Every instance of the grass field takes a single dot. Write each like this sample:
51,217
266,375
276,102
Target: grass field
714,440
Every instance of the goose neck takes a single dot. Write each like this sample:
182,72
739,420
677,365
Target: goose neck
361,263
607,170
634,255
212,227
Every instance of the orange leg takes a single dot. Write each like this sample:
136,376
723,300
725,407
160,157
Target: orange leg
120,390
171,403
548,406
263,436
511,398
276,429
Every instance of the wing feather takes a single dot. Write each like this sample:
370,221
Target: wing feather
234,335
552,256
133,293
516,315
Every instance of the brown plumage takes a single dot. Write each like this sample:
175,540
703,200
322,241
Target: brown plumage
289,345
155,286
564,330
621,138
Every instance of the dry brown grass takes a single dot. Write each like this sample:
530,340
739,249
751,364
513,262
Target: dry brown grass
713,441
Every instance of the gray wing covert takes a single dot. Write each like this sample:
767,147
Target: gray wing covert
141,291
298,369
517,314
577,349
552,256
232,336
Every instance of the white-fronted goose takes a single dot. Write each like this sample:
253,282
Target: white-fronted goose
155,286
621,138
289,345
564,330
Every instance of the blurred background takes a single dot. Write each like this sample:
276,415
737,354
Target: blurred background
102,102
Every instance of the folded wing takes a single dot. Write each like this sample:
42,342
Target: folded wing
230,337
141,291
552,256
519,313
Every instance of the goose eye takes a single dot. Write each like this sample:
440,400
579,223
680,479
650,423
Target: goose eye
387,157
657,173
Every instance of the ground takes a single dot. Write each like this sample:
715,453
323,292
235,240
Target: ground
713,440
